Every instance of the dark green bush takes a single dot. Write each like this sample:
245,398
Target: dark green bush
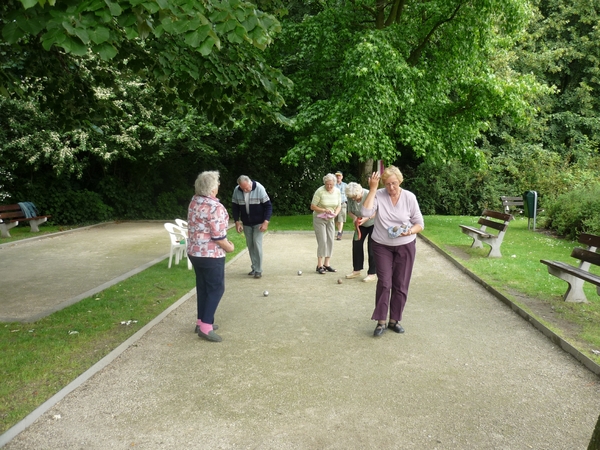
75,207
575,212
452,189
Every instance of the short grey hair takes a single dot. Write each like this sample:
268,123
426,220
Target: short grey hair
329,177
243,179
392,171
207,182
354,190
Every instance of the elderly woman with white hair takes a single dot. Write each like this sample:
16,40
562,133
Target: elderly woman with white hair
326,205
363,226
397,223
206,248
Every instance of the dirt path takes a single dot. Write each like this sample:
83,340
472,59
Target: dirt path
46,275
299,369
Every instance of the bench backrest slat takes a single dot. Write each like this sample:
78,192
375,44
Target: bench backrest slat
589,239
511,200
497,215
496,225
586,255
9,208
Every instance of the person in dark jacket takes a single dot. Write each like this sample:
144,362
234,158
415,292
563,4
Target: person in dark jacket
252,211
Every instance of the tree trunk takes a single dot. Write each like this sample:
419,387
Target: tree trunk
595,442
365,170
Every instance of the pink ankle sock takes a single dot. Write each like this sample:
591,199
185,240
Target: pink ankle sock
205,327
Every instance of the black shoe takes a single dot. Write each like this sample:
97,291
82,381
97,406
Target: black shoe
257,275
252,273
379,329
211,336
215,327
396,327
329,269
321,270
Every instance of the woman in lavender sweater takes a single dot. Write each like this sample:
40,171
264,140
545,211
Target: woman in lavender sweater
397,222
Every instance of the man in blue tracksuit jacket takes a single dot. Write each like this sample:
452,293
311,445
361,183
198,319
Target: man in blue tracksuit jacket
251,204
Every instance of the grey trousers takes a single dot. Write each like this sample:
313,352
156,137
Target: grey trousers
254,239
324,231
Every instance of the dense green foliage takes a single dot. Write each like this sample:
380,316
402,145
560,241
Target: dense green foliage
206,54
376,80
471,99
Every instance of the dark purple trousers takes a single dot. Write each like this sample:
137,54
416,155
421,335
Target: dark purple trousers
394,269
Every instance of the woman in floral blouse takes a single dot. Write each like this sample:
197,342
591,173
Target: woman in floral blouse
206,248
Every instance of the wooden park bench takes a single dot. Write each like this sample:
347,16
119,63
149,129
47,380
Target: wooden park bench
517,205
11,215
510,204
575,276
489,219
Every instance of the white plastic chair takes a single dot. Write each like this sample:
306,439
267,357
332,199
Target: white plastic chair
184,226
178,243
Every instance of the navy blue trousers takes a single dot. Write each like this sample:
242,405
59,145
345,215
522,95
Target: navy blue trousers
210,285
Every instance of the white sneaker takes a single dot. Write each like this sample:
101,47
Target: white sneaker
369,278
353,275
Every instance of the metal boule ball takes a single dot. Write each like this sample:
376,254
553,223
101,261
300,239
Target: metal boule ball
266,293
299,272
339,281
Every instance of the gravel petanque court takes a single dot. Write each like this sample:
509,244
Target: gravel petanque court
300,369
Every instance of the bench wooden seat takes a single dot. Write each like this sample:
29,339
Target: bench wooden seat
575,276
11,215
482,236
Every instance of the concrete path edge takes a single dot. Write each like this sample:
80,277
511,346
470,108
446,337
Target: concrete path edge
555,338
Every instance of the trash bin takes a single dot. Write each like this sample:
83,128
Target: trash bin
530,207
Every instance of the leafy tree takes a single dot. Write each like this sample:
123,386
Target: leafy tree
207,54
377,79
558,151
123,98
563,50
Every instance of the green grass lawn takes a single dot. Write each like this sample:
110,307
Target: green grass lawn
38,359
